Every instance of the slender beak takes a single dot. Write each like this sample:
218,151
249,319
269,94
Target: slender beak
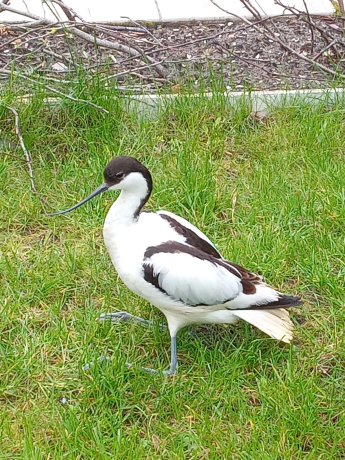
102,188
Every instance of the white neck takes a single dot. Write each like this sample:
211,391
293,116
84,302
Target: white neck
126,208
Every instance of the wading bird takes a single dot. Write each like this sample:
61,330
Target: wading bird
174,266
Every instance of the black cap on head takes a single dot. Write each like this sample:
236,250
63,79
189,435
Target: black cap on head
115,171
120,167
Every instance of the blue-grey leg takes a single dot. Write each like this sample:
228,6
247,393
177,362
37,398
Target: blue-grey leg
124,316
113,317
173,362
148,370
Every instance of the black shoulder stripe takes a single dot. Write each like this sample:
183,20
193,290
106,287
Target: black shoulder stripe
173,247
191,237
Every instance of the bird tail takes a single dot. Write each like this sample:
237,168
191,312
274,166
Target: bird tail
276,322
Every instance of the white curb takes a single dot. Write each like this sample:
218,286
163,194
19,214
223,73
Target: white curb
260,101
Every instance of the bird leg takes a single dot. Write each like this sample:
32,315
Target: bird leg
147,370
124,316
173,362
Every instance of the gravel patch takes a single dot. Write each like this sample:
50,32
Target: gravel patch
198,53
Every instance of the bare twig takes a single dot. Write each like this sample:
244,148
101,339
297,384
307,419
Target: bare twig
142,27
192,42
324,34
130,70
16,157
19,37
20,25
26,154
69,12
94,40
5,7
158,9
130,49
18,58
8,42
122,48
311,28
166,49
251,9
268,34
62,58
325,49
53,90
34,24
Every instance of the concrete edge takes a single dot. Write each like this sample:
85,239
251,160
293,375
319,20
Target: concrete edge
206,19
178,21
260,101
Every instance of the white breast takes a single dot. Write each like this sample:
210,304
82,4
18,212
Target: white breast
127,242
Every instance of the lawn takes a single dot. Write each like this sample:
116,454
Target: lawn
270,193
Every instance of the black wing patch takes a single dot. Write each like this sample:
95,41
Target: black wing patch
173,247
191,237
248,279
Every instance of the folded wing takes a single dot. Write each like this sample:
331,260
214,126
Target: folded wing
187,274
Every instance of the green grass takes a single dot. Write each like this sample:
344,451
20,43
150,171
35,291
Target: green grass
270,194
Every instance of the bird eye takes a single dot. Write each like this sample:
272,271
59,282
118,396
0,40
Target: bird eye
120,175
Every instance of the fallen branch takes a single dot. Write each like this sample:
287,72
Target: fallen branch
205,38
94,40
20,25
26,154
184,54
122,48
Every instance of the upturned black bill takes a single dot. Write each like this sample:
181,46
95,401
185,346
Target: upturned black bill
102,188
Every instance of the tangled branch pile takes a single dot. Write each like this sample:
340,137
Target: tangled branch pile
297,51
